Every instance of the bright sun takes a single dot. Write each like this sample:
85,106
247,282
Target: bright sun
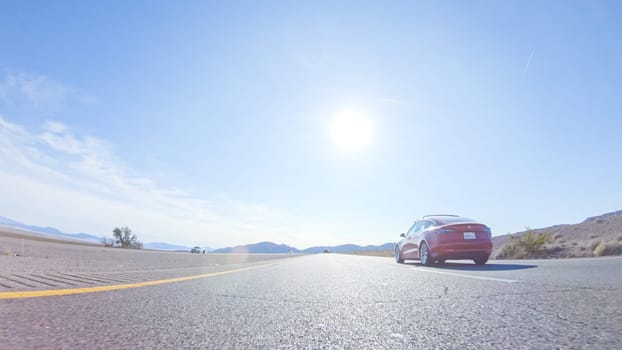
351,130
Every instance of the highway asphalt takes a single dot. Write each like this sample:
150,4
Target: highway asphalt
331,301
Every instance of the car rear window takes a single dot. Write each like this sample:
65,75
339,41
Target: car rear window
451,219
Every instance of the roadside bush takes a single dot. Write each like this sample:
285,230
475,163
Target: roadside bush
608,248
125,238
595,244
509,251
108,242
529,245
7,252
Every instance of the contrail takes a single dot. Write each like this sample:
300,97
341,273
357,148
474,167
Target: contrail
528,62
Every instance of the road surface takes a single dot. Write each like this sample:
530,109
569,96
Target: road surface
332,301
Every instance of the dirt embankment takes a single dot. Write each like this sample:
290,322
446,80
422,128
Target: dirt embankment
596,236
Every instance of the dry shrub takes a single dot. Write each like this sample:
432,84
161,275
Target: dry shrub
608,248
529,245
8,252
595,244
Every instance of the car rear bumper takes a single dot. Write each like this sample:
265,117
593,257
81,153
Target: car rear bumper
457,251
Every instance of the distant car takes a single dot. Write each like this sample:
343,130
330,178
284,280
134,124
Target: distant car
195,250
326,251
436,238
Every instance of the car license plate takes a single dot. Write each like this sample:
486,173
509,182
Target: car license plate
469,235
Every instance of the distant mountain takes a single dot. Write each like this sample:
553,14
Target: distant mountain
49,231
349,248
8,222
273,248
259,248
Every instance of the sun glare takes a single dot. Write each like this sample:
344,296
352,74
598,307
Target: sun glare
351,130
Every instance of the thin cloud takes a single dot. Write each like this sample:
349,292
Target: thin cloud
38,91
76,182
87,165
34,89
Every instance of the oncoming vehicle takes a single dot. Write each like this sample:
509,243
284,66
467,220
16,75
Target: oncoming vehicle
195,250
436,238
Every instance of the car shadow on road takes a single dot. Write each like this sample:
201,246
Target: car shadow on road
491,266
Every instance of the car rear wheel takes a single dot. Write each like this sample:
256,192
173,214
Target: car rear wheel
398,256
424,254
480,261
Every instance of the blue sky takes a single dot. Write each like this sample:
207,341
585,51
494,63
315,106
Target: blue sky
210,123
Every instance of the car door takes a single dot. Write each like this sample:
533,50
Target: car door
417,236
410,248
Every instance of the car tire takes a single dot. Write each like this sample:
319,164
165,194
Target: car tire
398,255
424,255
480,261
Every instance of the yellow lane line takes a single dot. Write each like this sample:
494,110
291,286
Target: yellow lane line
57,292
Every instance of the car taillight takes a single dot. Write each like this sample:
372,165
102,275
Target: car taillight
487,231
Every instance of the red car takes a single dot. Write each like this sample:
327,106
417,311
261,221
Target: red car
436,238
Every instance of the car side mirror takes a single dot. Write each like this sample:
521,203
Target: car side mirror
402,235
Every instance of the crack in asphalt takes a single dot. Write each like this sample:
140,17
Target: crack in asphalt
549,313
565,290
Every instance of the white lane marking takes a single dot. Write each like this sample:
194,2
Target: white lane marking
467,275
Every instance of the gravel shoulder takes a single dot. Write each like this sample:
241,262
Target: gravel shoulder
50,264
